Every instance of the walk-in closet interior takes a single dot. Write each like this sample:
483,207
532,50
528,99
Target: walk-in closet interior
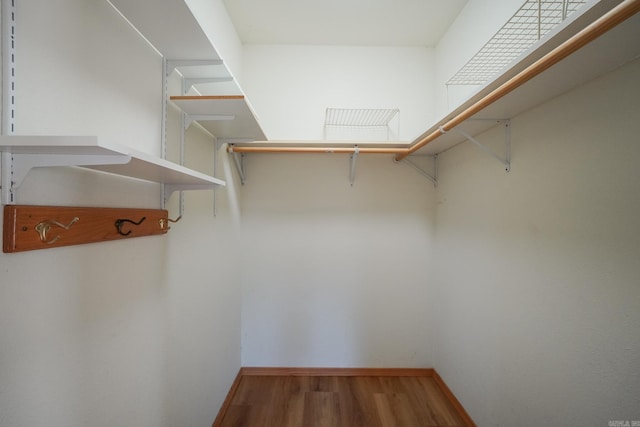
195,187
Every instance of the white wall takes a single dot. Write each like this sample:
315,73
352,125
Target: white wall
138,332
290,87
534,299
335,275
203,316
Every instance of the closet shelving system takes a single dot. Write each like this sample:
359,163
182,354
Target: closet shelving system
597,38
217,103
185,48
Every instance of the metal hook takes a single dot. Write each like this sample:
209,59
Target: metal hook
43,228
164,222
120,221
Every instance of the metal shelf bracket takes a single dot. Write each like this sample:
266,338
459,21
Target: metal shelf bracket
172,64
6,186
15,167
506,160
189,119
352,165
199,80
238,160
431,176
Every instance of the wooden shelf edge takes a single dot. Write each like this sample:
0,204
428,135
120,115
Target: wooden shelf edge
206,97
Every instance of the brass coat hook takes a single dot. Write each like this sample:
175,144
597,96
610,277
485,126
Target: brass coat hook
121,221
43,228
164,222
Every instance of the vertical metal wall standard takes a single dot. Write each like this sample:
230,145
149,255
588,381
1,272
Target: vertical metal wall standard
186,120
214,203
8,93
163,126
183,129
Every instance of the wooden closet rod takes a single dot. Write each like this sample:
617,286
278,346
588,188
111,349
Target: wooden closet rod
609,20
297,149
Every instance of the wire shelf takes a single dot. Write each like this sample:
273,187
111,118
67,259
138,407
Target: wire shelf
360,124
534,19
359,117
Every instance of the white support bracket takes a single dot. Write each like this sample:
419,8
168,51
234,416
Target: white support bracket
216,147
15,167
238,160
199,80
433,177
352,165
172,64
506,160
189,119
6,187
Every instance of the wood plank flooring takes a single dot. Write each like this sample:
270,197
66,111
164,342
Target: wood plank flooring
338,401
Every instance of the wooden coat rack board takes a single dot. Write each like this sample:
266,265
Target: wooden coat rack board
28,228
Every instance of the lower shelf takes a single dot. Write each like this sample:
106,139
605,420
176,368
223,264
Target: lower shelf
22,153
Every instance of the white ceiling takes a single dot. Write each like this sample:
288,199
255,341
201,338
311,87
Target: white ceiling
343,22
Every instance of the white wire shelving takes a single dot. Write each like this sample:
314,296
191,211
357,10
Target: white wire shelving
374,124
530,23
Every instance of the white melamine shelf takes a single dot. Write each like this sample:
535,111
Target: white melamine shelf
226,117
22,153
613,49
173,30
169,25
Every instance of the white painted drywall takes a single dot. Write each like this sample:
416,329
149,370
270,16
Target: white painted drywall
129,333
290,87
534,301
335,275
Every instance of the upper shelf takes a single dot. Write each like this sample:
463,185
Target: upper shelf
28,152
226,117
613,49
169,25
181,42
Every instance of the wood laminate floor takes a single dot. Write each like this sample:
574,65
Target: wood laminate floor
340,401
